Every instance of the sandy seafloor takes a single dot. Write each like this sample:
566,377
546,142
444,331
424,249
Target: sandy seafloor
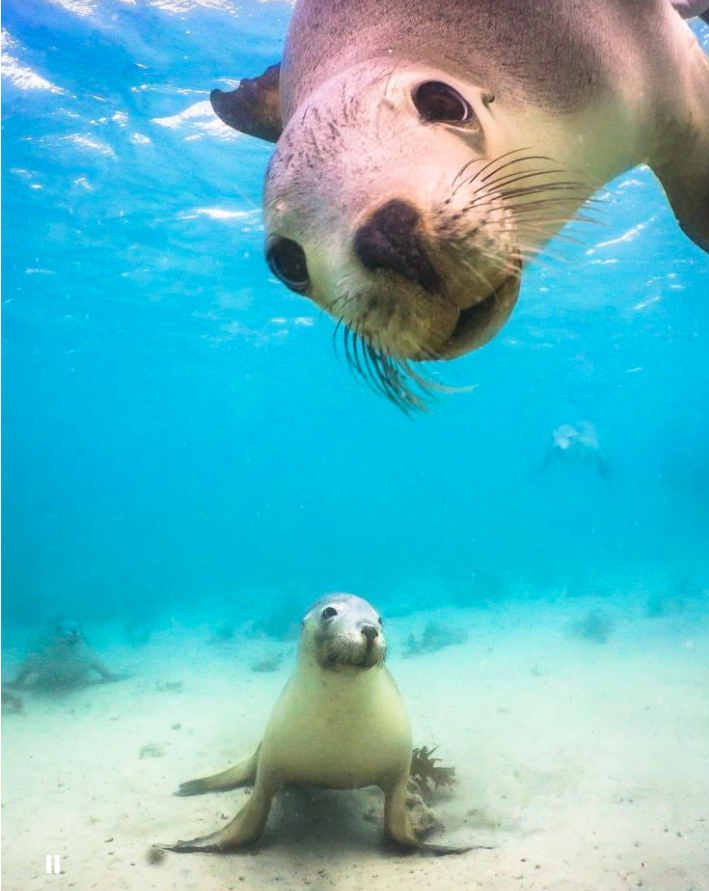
585,764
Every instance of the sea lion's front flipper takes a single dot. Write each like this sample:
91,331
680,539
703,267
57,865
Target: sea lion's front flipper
254,107
241,774
603,466
681,158
687,190
246,826
397,825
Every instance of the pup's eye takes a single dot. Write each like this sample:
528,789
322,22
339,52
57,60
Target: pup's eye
329,612
286,260
441,104
379,619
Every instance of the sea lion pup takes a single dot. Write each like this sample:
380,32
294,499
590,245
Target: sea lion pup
60,659
428,149
576,444
338,724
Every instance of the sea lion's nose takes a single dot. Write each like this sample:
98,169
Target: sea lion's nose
370,632
391,240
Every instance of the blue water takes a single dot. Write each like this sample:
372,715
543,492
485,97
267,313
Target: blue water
179,437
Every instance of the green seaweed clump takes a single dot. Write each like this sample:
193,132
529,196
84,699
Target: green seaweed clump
425,776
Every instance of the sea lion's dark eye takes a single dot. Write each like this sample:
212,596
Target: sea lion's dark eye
286,260
379,619
329,612
440,104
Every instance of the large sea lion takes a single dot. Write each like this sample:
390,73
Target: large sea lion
339,724
61,658
428,149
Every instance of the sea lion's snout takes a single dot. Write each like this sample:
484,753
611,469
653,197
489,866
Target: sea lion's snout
370,632
391,240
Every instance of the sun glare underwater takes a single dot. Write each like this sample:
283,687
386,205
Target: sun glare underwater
188,465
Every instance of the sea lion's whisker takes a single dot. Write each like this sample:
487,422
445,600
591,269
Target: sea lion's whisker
539,189
529,211
353,356
373,373
346,335
511,178
391,74
394,373
354,331
516,161
379,375
522,200
363,365
488,164
483,181
530,191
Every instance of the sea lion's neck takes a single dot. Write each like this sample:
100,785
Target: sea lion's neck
338,679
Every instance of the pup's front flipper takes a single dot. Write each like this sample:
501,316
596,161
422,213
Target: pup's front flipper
246,826
208,844
397,825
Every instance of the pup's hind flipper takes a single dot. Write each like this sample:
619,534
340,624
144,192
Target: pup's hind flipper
242,774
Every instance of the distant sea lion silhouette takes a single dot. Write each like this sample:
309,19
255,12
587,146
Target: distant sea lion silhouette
427,149
11,702
61,658
576,444
339,724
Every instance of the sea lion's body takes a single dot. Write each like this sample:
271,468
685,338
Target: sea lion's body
340,723
409,217
336,731
61,658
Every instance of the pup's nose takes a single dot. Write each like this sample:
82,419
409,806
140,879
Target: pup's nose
391,240
370,632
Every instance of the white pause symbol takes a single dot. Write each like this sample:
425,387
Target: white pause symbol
57,869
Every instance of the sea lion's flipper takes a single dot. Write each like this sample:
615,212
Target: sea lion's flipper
681,160
246,826
687,190
546,460
254,107
243,774
397,825
603,466
105,675
26,670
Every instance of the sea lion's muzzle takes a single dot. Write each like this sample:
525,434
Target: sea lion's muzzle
370,632
391,240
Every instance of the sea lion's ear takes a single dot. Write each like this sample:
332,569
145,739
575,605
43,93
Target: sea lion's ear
254,107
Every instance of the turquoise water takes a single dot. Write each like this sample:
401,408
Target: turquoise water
180,438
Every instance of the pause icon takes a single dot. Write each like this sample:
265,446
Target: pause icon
57,868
